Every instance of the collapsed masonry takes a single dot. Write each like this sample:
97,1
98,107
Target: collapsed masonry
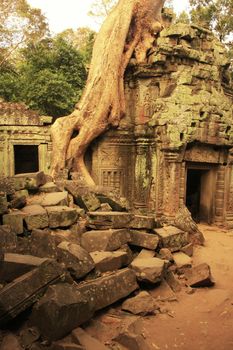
68,252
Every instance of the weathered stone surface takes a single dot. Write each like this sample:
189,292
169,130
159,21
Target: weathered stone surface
3,203
8,239
172,237
105,220
30,181
182,260
166,254
55,198
18,202
199,276
145,253
15,265
62,345
11,342
126,249
106,290
28,336
61,309
105,207
61,216
49,187
132,341
142,222
172,281
20,294
76,259
109,261
35,217
87,341
106,240
143,239
7,185
15,221
148,269
143,304
163,292
188,249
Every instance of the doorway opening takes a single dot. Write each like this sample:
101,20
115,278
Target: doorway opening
26,159
200,190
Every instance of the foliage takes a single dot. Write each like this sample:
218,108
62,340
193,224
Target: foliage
215,14
183,17
101,8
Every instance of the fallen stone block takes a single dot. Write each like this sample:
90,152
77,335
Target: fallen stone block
188,249
7,185
29,181
182,260
35,217
14,265
55,198
107,220
61,216
18,203
145,253
10,342
173,281
142,304
75,259
60,310
3,203
149,269
106,240
87,341
8,239
129,257
143,239
15,221
106,290
199,276
23,292
61,345
132,341
105,207
163,292
166,254
109,261
49,187
142,222
172,237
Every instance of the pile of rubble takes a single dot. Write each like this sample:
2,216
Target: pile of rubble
68,252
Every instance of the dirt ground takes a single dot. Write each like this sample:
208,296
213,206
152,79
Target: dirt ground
203,320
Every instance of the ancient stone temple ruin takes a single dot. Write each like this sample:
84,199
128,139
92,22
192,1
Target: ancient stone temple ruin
25,140
175,144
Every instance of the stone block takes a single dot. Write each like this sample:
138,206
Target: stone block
15,265
23,292
163,292
149,269
105,207
61,216
86,340
10,342
173,281
7,185
145,253
15,221
142,222
199,276
30,181
62,345
182,260
21,193
109,261
76,259
49,187
106,290
55,198
35,216
3,203
8,239
131,341
60,310
172,237
106,220
106,240
143,239
188,249
142,304
166,254
18,203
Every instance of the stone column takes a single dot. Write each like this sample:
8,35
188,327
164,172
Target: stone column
219,195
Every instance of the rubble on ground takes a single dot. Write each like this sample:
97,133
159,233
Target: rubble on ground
67,253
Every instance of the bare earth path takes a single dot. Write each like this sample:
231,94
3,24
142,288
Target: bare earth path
203,320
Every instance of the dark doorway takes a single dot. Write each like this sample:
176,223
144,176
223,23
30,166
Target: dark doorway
200,193
26,159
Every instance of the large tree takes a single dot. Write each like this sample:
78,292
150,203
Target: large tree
129,28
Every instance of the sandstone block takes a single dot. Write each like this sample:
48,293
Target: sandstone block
142,222
55,198
172,237
7,185
15,221
106,240
20,294
188,249
143,304
3,203
149,269
61,309
163,292
109,261
145,253
172,281
30,181
106,220
87,341
15,265
131,341
76,259
199,276
35,216
182,260
18,203
62,345
8,239
166,254
106,290
61,216
143,239
49,187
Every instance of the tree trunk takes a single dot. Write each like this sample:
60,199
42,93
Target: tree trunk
129,28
